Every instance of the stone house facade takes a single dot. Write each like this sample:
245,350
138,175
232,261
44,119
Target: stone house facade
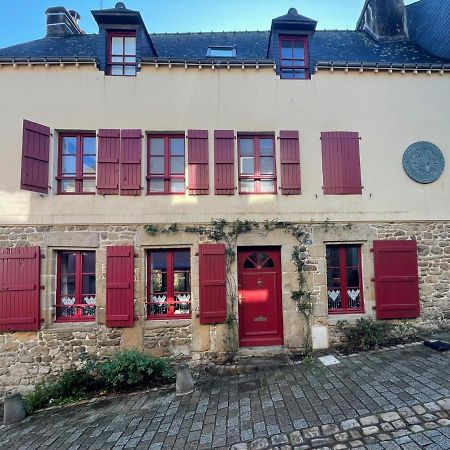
195,195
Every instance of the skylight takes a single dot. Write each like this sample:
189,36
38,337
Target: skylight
221,51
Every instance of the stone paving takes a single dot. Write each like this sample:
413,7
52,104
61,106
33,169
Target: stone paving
396,399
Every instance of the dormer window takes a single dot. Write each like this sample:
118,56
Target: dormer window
222,51
294,62
121,58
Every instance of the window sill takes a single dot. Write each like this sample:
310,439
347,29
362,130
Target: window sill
151,324
68,327
334,318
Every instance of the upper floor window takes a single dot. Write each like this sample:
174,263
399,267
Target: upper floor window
121,57
76,163
344,279
257,164
223,51
294,63
166,168
76,292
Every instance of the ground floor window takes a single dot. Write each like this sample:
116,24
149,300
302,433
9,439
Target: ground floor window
344,279
75,296
169,284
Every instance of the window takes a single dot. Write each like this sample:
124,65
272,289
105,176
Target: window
77,163
121,58
294,63
344,279
75,294
257,165
166,169
169,284
258,260
221,51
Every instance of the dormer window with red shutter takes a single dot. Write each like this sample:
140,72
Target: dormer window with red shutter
121,57
294,62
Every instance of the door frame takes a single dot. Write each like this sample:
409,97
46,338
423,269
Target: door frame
276,249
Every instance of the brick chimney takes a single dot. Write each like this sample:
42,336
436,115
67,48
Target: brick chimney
384,20
62,23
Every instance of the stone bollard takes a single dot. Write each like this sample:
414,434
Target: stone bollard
14,409
185,382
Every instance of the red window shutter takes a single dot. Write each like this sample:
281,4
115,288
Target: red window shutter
108,162
19,289
198,168
224,162
396,279
130,162
213,290
290,162
340,163
119,286
35,157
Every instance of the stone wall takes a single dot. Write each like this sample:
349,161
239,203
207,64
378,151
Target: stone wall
29,358
168,340
433,243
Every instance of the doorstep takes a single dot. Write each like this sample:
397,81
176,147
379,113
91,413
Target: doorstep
263,357
270,350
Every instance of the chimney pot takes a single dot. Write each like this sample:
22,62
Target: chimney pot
75,15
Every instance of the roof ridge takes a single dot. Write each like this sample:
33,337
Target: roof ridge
208,32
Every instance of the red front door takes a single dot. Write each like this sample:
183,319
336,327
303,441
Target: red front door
260,315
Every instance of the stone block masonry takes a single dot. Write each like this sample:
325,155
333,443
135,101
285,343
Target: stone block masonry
433,245
27,358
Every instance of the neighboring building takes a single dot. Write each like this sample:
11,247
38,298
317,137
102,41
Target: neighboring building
111,138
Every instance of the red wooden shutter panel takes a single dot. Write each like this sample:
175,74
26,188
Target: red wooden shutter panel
19,288
198,168
396,279
213,289
224,162
290,163
120,286
35,157
108,162
341,163
130,162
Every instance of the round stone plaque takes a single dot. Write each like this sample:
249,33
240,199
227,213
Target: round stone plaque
423,162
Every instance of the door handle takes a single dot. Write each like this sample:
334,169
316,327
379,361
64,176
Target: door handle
240,298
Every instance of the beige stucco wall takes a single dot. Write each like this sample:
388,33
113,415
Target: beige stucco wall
390,111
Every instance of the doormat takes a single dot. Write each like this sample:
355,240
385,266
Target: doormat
440,346
328,360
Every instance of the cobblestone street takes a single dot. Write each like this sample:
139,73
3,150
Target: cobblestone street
395,399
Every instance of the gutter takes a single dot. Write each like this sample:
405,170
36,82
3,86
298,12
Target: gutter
208,63
382,67
47,62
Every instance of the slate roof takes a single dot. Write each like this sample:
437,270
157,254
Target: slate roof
348,46
83,46
429,25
